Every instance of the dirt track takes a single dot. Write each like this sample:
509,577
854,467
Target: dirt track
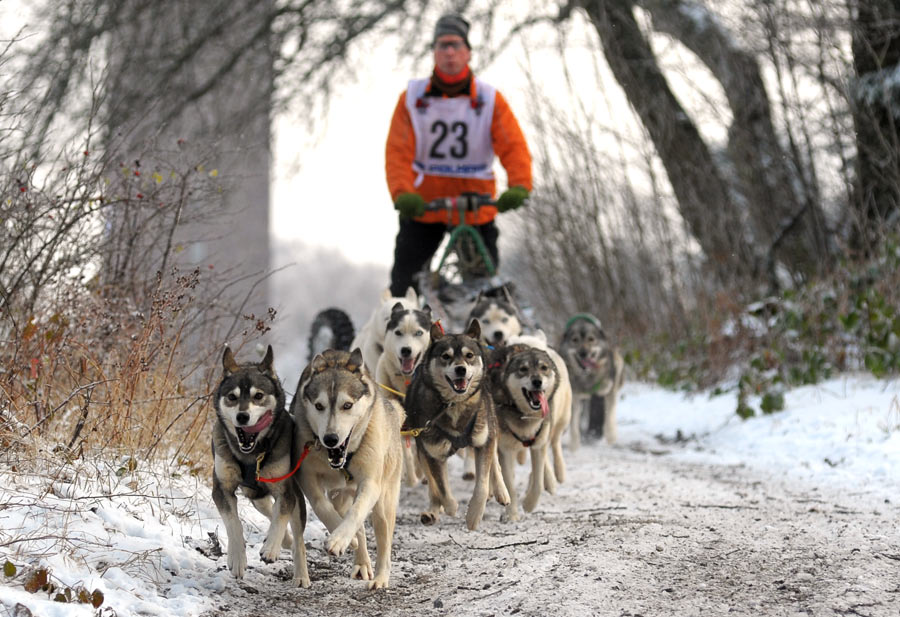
634,531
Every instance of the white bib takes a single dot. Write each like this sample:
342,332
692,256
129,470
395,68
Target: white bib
453,136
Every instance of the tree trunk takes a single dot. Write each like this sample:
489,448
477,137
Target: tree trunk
790,229
703,195
874,98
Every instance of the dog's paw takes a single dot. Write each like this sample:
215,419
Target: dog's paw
511,515
529,503
501,496
429,518
362,572
379,583
237,563
287,541
451,506
270,550
302,581
473,518
338,542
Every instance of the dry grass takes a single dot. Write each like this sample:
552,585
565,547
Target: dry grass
101,377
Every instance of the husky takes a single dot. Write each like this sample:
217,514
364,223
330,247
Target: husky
354,465
524,381
498,318
406,338
449,401
370,338
252,447
560,406
597,370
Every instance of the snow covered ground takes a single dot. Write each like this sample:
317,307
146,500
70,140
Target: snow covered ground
140,535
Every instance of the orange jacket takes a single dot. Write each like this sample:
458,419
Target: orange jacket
508,144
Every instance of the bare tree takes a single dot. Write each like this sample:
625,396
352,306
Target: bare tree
876,57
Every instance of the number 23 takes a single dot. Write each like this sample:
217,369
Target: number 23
458,149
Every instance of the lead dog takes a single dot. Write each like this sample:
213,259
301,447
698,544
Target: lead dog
252,442
524,381
449,401
596,369
353,432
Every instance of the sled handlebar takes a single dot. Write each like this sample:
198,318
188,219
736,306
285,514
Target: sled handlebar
467,202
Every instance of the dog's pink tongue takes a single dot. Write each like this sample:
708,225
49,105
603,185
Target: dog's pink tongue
545,408
265,421
406,364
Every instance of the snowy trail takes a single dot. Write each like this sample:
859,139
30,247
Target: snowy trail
637,530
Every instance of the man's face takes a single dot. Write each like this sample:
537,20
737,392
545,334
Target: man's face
451,55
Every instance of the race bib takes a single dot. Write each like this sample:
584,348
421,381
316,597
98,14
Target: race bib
453,135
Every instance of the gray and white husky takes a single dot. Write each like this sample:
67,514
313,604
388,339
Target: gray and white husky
449,401
370,338
498,318
524,381
596,369
406,338
354,463
252,446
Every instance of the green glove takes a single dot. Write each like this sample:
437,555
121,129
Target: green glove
511,198
410,205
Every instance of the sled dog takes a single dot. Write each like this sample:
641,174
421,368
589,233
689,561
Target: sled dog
370,338
560,407
498,318
354,463
252,446
523,382
596,370
449,401
406,338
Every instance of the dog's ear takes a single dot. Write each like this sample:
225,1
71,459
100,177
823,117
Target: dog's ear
474,330
228,363
386,295
356,361
436,331
412,296
427,310
397,307
266,365
318,364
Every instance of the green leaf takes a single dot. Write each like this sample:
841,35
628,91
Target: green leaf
9,569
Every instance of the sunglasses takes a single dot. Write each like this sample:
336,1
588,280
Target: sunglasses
445,45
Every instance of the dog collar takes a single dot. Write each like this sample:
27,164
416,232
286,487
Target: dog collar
584,317
528,442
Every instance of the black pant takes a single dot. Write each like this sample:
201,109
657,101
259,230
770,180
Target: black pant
416,245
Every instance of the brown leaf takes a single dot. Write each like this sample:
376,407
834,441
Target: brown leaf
38,579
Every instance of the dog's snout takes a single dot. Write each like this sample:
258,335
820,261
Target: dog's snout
330,440
460,371
405,352
537,383
242,418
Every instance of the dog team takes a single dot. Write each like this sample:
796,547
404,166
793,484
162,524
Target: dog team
400,404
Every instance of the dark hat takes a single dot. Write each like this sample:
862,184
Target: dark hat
452,24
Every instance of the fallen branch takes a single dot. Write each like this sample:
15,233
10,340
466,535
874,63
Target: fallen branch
494,548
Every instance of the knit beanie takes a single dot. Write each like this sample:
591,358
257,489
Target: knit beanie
452,24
